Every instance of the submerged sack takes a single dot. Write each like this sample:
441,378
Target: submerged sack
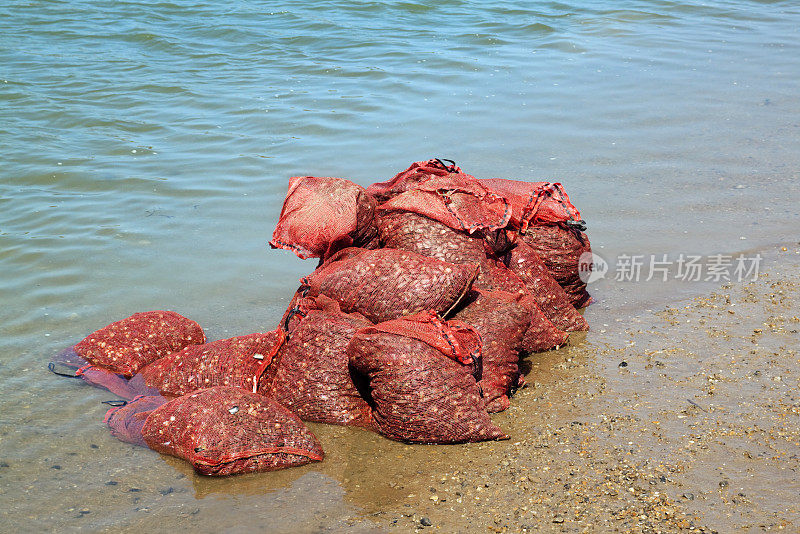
226,430
226,362
560,248
124,347
323,215
126,421
386,284
68,363
420,390
548,294
311,375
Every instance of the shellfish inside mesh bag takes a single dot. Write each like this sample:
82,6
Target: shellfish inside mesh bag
416,233
420,390
323,215
386,283
226,362
560,249
220,431
125,346
494,275
548,294
502,320
311,374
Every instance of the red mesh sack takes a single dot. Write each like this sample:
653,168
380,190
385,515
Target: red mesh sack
548,294
458,200
117,384
542,334
420,390
312,376
508,323
494,275
226,362
126,346
227,430
535,202
126,421
501,322
323,215
417,172
560,248
386,283
414,232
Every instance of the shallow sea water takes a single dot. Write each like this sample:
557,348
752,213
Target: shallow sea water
145,150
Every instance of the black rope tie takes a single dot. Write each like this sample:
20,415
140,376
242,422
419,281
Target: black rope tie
52,367
572,223
477,371
294,311
449,168
304,289
578,225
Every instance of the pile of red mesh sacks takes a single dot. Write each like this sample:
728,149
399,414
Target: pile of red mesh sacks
430,288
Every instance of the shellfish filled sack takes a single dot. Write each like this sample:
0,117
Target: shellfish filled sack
422,384
311,374
234,362
386,283
502,321
560,247
323,215
548,221
494,275
545,290
417,233
126,346
541,334
220,431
